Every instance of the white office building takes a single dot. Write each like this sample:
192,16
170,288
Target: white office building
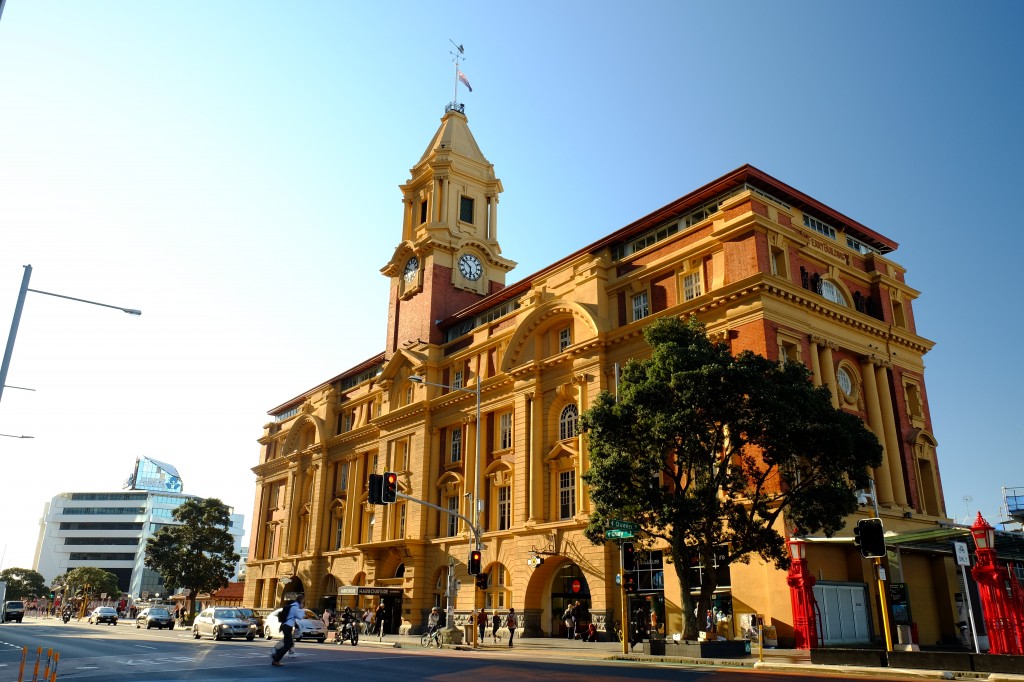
109,530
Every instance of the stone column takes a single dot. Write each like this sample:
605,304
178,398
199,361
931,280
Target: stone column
582,502
828,370
445,188
435,200
892,444
883,479
353,520
492,230
815,362
537,471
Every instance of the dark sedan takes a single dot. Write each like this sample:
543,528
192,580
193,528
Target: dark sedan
155,617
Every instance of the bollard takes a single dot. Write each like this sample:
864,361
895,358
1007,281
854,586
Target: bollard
35,671
53,673
46,669
24,657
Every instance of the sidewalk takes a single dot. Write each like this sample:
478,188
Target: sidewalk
774,660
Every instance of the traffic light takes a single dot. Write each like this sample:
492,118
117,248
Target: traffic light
629,583
376,488
481,581
474,562
51,594
390,490
869,536
628,557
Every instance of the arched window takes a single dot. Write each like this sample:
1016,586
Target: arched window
400,571
568,421
831,292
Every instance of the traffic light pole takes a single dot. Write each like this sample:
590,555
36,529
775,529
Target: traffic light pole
624,601
880,577
476,545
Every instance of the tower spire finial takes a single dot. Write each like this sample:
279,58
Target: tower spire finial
458,57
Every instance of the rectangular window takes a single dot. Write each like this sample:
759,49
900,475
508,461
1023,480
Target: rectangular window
423,211
342,477
640,307
504,507
566,494
457,379
564,339
338,529
456,445
692,286
505,431
401,521
819,227
466,209
453,521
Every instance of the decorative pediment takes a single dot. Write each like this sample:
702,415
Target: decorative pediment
562,456
536,321
450,484
500,473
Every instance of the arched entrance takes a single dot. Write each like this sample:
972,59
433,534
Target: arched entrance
291,589
568,587
329,600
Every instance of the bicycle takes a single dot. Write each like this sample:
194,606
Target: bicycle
431,637
617,629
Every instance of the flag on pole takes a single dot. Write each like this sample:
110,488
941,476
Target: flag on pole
465,81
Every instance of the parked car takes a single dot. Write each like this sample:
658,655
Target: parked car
14,610
155,617
103,614
223,622
310,627
251,616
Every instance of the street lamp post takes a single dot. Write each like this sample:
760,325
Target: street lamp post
17,320
477,498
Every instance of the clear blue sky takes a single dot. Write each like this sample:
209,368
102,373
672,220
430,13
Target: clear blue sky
231,168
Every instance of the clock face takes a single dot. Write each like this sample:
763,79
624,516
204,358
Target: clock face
470,267
411,266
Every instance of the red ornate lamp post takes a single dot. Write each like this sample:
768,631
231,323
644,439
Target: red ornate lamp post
801,593
996,606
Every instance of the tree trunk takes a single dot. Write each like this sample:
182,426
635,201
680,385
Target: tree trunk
682,565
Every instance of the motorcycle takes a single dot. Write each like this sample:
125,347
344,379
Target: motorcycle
66,616
349,630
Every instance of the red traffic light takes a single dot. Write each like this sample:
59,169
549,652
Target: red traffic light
390,491
475,558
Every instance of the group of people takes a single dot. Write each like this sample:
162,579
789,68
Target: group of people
573,617
480,619
374,621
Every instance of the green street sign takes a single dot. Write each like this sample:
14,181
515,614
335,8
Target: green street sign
624,525
617,534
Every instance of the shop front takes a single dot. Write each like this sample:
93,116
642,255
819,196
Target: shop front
362,598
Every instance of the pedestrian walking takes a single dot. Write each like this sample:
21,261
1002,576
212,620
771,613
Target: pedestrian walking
291,612
495,626
510,623
577,614
482,624
381,615
567,619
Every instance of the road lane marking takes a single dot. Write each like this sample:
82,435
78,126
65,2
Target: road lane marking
143,646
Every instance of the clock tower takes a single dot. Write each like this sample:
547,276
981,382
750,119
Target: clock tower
449,257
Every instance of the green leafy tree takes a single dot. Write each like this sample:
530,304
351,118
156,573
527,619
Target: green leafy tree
89,582
198,554
707,452
23,583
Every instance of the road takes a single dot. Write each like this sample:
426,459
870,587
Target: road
116,653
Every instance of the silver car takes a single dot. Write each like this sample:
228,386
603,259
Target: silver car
222,622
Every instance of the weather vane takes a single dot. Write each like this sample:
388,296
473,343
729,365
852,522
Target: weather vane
459,76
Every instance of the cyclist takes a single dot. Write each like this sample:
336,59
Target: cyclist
433,621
